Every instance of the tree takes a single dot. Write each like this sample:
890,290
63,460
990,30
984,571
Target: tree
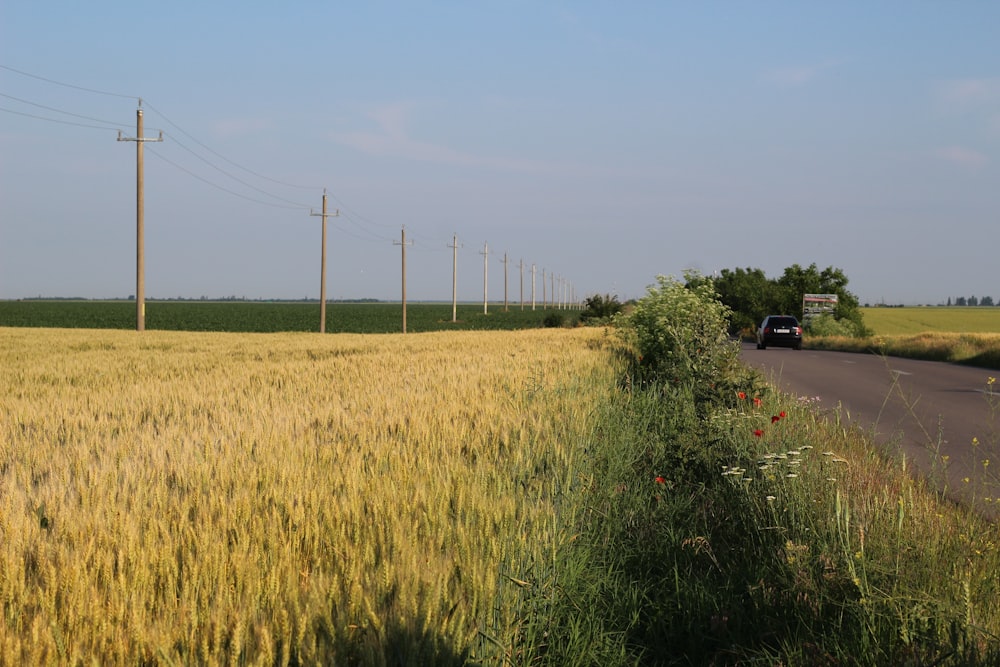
986,301
748,293
751,296
960,301
973,301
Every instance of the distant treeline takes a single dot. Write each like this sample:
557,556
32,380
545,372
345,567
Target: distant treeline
960,301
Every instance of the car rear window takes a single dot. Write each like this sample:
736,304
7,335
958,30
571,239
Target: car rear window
782,322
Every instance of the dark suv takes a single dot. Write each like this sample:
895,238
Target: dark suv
779,331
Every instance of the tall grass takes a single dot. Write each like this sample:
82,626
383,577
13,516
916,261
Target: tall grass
744,527
982,350
172,498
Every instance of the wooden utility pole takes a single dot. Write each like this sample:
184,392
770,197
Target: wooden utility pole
140,232
403,244
486,272
520,268
505,282
545,300
532,287
552,290
322,269
454,278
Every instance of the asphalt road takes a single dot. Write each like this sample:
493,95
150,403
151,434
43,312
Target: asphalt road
922,409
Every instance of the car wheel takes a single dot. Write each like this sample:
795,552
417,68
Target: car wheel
798,346
761,346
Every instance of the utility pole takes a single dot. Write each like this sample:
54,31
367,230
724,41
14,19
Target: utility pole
403,244
552,290
505,282
454,278
520,268
486,271
322,270
532,287
140,232
545,300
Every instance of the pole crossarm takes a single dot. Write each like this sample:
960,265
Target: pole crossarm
140,139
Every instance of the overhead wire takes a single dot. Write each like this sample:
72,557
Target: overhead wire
217,186
67,85
174,140
375,236
54,120
359,221
238,180
353,235
111,124
223,157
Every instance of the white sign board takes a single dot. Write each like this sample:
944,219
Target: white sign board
814,305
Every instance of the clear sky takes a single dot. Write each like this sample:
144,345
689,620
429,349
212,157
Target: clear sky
606,142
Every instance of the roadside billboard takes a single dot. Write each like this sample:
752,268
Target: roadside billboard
814,305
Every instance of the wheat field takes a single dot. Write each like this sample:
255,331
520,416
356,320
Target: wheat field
210,498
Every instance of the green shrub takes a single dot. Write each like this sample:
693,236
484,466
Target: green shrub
827,325
554,320
680,334
600,309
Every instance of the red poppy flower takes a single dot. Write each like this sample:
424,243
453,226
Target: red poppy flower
782,414
757,401
661,480
759,433
742,395
775,418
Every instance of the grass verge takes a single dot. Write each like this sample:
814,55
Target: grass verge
719,522
759,532
981,350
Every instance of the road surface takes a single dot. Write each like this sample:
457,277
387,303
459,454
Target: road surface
920,408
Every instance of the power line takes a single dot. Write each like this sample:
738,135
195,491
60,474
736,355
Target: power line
372,234
374,239
67,85
67,113
164,116
344,207
359,221
55,120
238,180
223,157
219,187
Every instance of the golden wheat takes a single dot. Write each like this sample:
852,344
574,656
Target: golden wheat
211,498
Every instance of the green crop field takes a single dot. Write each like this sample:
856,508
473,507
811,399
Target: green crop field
925,319
268,317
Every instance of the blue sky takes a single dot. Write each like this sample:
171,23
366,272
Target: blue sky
604,142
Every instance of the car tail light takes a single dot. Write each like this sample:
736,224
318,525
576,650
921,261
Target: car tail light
798,331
